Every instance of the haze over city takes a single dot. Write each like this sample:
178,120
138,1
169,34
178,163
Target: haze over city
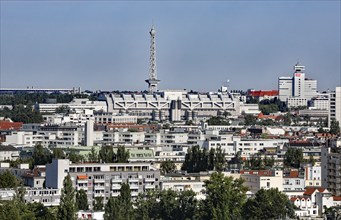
105,45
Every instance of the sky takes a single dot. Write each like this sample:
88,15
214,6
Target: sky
104,45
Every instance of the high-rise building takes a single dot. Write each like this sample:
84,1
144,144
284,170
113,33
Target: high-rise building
335,106
297,90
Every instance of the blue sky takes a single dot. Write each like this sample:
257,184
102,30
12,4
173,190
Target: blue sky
105,44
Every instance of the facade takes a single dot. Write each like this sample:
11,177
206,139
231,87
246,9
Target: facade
110,118
262,179
335,106
331,167
297,90
77,105
103,180
8,153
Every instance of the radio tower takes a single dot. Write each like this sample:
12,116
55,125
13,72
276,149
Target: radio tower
152,81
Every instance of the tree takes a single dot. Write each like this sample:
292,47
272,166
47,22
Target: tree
67,207
8,180
293,157
74,157
41,155
250,119
197,159
106,154
225,197
41,212
122,155
58,153
98,203
120,208
167,205
268,204
216,120
334,127
82,200
167,167
219,160
93,156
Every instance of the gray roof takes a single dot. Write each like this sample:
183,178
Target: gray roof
8,148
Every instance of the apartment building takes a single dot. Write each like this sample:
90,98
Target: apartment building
331,167
112,118
335,106
262,179
8,153
103,180
76,105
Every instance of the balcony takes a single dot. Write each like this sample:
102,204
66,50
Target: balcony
115,194
82,181
99,194
134,194
149,180
97,187
116,186
82,187
149,186
133,186
99,180
116,180
133,180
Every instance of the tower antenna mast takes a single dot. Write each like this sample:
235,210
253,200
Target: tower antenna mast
152,81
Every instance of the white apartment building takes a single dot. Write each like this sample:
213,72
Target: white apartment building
312,176
248,147
8,153
124,137
322,102
77,106
266,179
152,138
103,180
197,186
170,138
24,138
48,197
293,184
112,118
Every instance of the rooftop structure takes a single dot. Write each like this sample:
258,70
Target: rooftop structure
152,81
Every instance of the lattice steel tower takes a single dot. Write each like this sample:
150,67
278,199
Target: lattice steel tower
152,81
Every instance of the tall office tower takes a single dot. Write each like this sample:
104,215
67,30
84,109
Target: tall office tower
284,88
152,81
299,81
335,106
297,90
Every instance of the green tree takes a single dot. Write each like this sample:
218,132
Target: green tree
268,204
216,120
293,157
98,203
74,157
219,161
225,197
122,155
120,208
41,212
82,200
167,167
106,154
93,156
8,180
67,207
250,119
334,127
58,153
41,155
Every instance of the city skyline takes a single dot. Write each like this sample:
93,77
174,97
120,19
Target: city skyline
199,45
